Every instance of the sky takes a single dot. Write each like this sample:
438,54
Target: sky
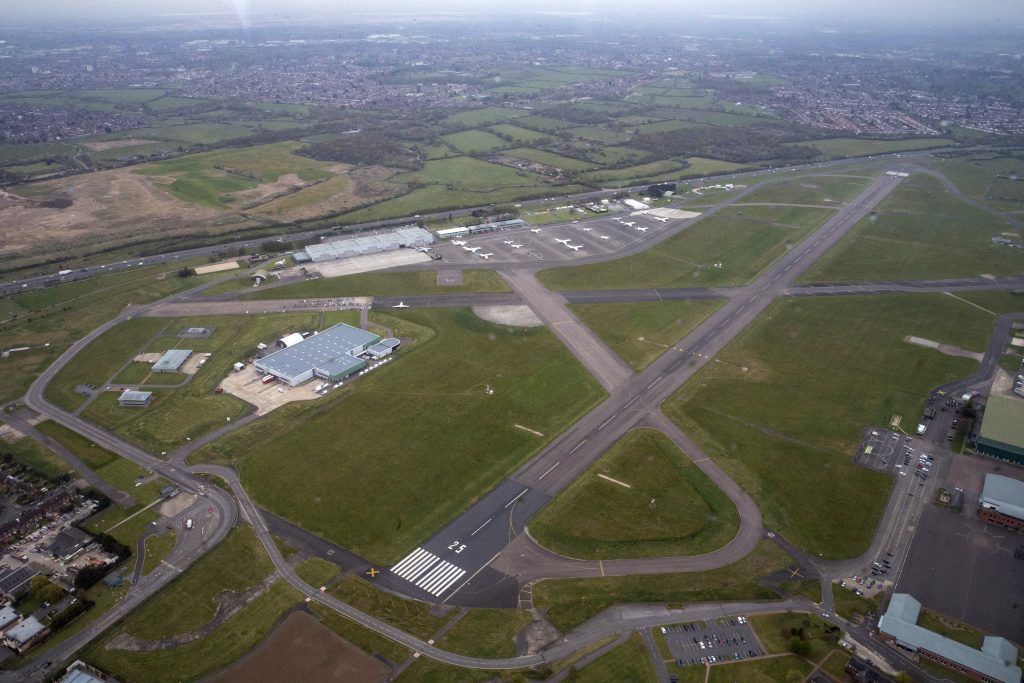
981,12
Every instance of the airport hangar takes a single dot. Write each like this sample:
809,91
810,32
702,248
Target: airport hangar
332,354
1002,429
1002,501
329,250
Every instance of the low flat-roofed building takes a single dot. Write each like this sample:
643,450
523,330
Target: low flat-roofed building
449,233
68,543
1002,429
1002,501
8,617
328,250
14,583
383,348
172,360
130,398
995,662
331,355
24,635
80,672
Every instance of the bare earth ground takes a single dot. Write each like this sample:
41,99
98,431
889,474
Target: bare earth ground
513,316
302,649
246,385
102,145
216,267
175,506
665,212
108,207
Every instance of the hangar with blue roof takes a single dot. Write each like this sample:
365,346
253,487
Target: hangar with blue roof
332,354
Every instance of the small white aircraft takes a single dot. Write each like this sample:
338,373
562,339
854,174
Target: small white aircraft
587,229
566,242
459,243
401,304
508,242
472,250
575,247
536,230
605,237
628,225
639,229
516,246
485,256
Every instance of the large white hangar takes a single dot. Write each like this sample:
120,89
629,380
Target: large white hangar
333,355
407,236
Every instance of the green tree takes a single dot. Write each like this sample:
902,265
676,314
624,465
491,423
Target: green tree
43,590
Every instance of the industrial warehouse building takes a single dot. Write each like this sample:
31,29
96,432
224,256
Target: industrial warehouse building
407,236
995,662
130,398
333,355
172,360
1002,501
1002,429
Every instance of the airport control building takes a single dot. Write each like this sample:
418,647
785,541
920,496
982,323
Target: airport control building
1002,501
1002,429
332,355
995,662
329,250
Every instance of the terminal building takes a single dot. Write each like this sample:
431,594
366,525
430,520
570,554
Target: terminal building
451,233
330,250
333,355
995,662
1002,429
1002,501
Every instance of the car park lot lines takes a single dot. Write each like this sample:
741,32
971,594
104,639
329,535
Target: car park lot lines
726,640
879,450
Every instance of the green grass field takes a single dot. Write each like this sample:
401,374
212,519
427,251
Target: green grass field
627,662
599,519
470,174
919,232
820,189
775,631
570,602
521,136
988,179
485,116
835,664
474,141
411,616
192,661
361,637
541,156
157,548
486,633
33,454
640,332
731,247
855,147
383,284
782,410
316,571
427,416
851,606
772,670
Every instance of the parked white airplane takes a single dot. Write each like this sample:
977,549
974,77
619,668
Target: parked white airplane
605,237
628,225
459,243
485,256
660,219
516,246
587,229
509,242
566,242
575,247
400,304
537,230
639,229
472,250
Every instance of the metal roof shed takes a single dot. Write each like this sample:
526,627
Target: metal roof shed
1003,494
172,360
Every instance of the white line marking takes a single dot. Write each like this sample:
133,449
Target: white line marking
548,471
605,423
654,382
521,494
438,576
448,582
408,559
631,401
473,575
420,568
481,526
615,481
577,446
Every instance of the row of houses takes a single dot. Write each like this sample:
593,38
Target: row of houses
20,634
26,518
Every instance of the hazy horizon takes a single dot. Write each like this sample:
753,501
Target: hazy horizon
993,13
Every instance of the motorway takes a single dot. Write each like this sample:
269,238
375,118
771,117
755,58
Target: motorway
478,546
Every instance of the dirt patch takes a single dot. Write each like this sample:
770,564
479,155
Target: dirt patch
664,212
177,505
101,145
109,207
216,267
513,316
303,649
247,386
9,434
364,185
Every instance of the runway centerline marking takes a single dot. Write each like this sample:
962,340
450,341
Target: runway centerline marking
481,526
654,382
577,446
605,423
520,495
548,471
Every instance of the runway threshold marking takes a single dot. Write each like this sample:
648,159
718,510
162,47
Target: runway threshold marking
548,470
615,481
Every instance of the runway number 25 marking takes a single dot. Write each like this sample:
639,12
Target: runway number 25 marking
457,547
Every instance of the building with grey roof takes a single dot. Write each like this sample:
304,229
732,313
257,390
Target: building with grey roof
1002,501
172,360
68,543
80,672
329,250
995,662
14,583
8,616
1002,429
130,398
24,635
331,355
383,348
